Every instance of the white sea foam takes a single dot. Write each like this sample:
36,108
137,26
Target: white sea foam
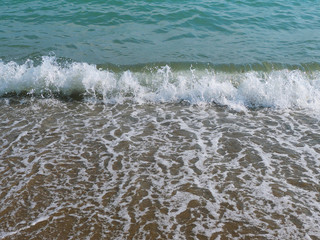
238,90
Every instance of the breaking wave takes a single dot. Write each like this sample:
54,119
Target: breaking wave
238,87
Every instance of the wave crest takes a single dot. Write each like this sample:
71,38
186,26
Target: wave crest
282,88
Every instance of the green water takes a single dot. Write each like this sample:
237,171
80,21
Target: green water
132,32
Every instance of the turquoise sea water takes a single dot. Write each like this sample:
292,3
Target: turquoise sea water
131,32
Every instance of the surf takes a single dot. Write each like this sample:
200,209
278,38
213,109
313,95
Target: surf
236,86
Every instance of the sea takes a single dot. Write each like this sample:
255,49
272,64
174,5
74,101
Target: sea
150,119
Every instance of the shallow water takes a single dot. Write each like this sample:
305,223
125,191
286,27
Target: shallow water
169,171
